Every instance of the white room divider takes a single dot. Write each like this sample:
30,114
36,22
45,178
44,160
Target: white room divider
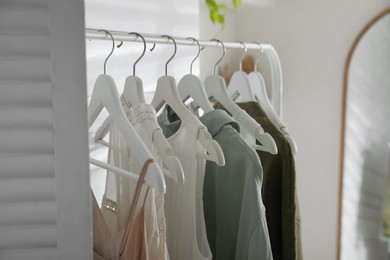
44,174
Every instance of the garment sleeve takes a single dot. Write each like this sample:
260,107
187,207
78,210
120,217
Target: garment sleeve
259,245
291,221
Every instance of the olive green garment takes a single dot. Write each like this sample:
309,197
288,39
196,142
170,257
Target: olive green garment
279,190
233,208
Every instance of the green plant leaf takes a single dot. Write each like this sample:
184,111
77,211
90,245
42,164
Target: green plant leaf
223,7
212,5
237,3
220,19
217,11
213,16
216,17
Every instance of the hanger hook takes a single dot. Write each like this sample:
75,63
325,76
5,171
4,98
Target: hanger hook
223,54
112,49
243,56
197,55
143,52
120,44
154,46
258,58
174,53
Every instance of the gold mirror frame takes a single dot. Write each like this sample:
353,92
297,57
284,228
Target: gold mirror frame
343,119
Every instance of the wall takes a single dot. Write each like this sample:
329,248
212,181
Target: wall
312,38
173,17
207,30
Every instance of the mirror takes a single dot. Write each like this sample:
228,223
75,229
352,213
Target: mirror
365,152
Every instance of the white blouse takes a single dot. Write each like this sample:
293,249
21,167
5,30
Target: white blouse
186,229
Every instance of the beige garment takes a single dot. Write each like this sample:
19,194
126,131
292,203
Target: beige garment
186,228
119,189
130,242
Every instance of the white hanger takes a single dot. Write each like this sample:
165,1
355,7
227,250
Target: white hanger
191,86
276,79
259,88
166,92
133,95
133,91
240,83
105,94
215,87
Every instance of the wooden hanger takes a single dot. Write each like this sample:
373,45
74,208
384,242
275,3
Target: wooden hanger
240,83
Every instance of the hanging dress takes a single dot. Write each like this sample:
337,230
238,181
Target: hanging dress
186,228
130,242
119,189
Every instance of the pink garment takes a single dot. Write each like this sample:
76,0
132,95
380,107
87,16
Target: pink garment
129,243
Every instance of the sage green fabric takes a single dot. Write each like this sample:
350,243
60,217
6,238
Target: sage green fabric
233,208
279,191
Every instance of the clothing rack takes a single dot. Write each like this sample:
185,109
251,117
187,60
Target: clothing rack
154,38
268,49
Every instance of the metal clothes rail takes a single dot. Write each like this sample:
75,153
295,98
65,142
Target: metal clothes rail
98,34
268,49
